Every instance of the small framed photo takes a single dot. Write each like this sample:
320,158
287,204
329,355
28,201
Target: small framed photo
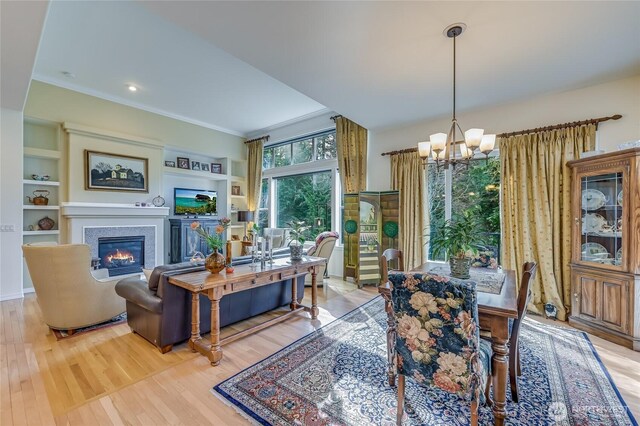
195,165
170,163
183,163
205,167
235,190
216,167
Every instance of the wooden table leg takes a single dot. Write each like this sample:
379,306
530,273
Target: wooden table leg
314,294
195,321
499,367
294,293
215,354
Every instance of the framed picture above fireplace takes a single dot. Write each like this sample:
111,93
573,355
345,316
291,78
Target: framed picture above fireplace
115,172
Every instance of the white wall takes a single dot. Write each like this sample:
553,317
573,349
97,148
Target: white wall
11,203
616,97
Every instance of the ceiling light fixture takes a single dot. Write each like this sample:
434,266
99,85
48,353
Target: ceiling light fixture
442,146
132,88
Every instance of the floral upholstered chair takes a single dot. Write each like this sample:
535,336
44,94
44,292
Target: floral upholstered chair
438,342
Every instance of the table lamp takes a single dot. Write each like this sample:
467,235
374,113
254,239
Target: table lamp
245,216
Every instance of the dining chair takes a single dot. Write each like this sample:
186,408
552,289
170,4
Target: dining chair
390,255
438,343
524,296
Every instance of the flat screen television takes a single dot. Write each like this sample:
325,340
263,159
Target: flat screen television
194,202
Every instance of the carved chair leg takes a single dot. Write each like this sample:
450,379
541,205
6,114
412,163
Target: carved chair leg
487,393
400,399
165,349
474,412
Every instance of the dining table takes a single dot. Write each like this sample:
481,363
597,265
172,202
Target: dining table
494,312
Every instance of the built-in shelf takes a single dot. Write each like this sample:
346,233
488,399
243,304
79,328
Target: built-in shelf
33,207
194,173
236,226
52,232
40,182
41,153
239,196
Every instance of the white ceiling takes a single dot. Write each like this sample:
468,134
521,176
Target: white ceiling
378,63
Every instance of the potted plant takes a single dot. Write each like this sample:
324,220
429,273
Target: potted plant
458,241
297,230
215,262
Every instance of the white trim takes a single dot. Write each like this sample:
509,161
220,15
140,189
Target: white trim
129,103
80,129
11,296
286,123
28,290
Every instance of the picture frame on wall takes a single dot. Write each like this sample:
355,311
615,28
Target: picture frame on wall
195,165
216,167
235,190
183,163
169,163
204,167
115,172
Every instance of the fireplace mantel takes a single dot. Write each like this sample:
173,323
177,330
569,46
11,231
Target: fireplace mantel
78,210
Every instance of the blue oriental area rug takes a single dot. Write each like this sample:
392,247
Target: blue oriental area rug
337,376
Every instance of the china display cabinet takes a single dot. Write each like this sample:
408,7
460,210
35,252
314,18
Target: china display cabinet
605,261
370,226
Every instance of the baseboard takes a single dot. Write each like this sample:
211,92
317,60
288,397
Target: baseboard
28,290
11,296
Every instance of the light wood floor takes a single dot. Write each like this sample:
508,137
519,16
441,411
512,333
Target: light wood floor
111,376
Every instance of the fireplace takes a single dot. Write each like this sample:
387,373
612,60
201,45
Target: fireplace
121,255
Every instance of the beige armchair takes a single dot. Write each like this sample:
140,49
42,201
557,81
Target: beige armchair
68,294
323,247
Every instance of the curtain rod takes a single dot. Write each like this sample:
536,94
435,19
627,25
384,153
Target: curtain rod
537,129
261,138
335,117
561,126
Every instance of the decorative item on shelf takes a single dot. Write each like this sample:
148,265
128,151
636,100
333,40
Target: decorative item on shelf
216,167
592,199
158,201
195,165
40,197
235,190
183,163
298,228
115,172
594,252
46,223
197,257
40,177
204,167
457,240
170,163
619,198
245,216
215,262
442,146
593,222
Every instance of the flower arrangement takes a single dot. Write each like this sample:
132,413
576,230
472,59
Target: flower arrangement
215,240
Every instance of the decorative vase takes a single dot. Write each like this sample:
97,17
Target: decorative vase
296,251
460,267
215,262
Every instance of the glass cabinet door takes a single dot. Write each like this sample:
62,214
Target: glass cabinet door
602,219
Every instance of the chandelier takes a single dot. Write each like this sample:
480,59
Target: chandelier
442,146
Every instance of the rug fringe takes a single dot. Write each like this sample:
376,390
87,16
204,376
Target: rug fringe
235,407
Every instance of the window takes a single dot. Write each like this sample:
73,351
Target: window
475,189
304,198
300,183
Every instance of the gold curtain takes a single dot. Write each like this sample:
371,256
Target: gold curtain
254,174
351,141
409,178
536,213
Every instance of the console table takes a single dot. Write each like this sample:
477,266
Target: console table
216,286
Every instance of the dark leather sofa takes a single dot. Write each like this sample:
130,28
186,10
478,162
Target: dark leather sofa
161,312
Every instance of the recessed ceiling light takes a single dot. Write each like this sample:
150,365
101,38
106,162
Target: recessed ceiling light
68,74
132,88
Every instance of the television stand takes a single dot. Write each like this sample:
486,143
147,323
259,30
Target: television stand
185,241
